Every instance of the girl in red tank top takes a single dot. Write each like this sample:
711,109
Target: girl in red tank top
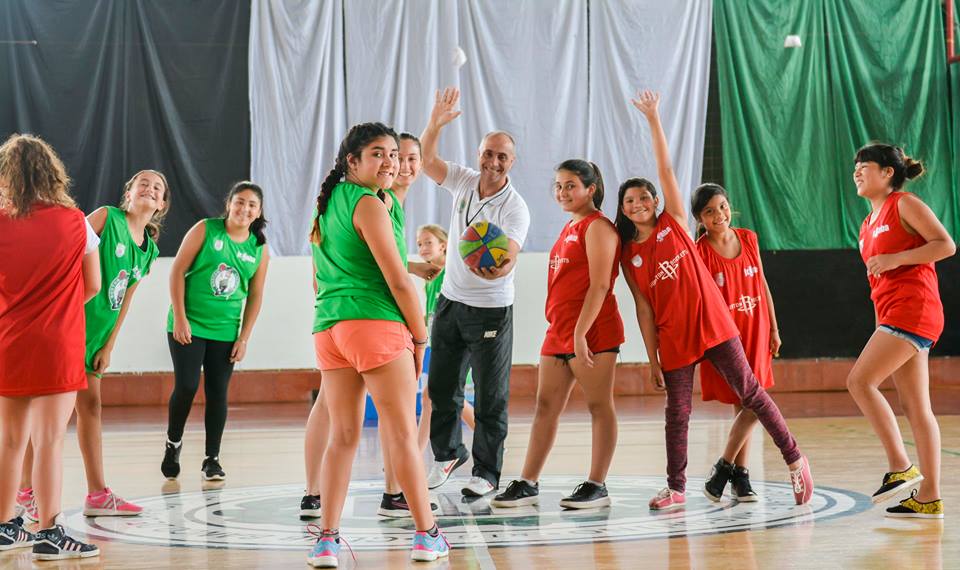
50,269
733,258
582,341
900,240
684,319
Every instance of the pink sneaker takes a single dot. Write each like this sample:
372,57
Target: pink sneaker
27,503
106,504
668,499
802,481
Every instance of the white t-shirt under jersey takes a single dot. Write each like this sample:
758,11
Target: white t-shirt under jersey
507,210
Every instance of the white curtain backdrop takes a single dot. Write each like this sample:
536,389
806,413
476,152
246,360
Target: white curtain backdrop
663,46
393,80
557,74
297,110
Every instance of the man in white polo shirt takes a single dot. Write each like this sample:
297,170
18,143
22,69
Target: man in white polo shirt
473,323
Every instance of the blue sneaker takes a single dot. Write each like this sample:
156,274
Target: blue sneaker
428,548
325,553
12,535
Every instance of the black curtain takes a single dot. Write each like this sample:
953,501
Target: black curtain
121,85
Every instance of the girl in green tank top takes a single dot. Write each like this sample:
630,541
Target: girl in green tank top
432,247
360,275
216,291
127,252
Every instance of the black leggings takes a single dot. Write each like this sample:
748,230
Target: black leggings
214,357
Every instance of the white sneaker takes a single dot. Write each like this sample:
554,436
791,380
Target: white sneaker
478,487
442,470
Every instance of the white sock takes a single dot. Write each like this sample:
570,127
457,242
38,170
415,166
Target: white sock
175,443
597,483
529,482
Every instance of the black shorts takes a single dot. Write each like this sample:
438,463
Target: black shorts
567,357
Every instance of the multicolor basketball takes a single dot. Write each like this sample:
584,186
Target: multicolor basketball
483,245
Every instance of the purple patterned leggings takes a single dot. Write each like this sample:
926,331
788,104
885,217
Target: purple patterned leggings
729,360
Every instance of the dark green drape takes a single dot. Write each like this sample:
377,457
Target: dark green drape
792,119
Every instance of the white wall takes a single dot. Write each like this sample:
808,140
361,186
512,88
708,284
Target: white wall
282,340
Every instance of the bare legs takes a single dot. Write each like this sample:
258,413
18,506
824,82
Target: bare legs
555,382
883,356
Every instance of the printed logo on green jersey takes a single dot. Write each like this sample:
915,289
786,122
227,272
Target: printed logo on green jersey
121,249
224,281
118,289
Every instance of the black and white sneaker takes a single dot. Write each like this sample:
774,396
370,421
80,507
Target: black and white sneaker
12,535
587,495
740,483
395,506
519,493
54,544
212,470
171,461
310,507
720,475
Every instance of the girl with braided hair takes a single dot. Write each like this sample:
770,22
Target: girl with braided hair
369,333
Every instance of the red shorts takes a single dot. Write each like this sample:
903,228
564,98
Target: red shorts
361,344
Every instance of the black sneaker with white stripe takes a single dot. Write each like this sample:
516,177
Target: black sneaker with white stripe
12,535
395,506
212,470
54,544
519,493
587,495
310,507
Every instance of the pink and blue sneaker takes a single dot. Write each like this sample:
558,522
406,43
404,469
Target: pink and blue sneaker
326,552
427,548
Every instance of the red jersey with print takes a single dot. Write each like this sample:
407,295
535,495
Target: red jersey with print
41,302
741,285
568,281
907,297
690,314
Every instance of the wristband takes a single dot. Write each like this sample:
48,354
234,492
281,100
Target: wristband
420,342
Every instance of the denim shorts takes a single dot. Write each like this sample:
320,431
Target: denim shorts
918,342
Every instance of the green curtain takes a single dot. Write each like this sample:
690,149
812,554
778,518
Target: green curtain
792,119
955,110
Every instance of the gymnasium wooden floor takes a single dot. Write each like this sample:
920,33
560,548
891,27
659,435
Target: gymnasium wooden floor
185,527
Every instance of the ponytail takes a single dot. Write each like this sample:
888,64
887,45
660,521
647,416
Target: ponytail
323,199
598,183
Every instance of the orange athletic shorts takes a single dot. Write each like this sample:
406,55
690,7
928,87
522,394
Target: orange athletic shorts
361,344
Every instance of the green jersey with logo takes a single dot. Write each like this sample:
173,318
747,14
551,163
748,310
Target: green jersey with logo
122,264
350,285
432,293
217,283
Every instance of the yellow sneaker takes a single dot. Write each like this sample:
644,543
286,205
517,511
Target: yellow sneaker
897,482
914,509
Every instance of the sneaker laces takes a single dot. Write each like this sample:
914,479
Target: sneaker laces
312,528
665,493
796,477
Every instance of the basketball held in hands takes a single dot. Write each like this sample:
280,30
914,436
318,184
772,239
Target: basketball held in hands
483,245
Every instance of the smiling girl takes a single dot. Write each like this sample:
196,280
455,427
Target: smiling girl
684,319
582,341
900,240
216,289
732,256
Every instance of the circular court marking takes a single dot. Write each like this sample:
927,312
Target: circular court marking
266,517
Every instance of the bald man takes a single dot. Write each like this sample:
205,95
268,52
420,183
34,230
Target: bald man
473,323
